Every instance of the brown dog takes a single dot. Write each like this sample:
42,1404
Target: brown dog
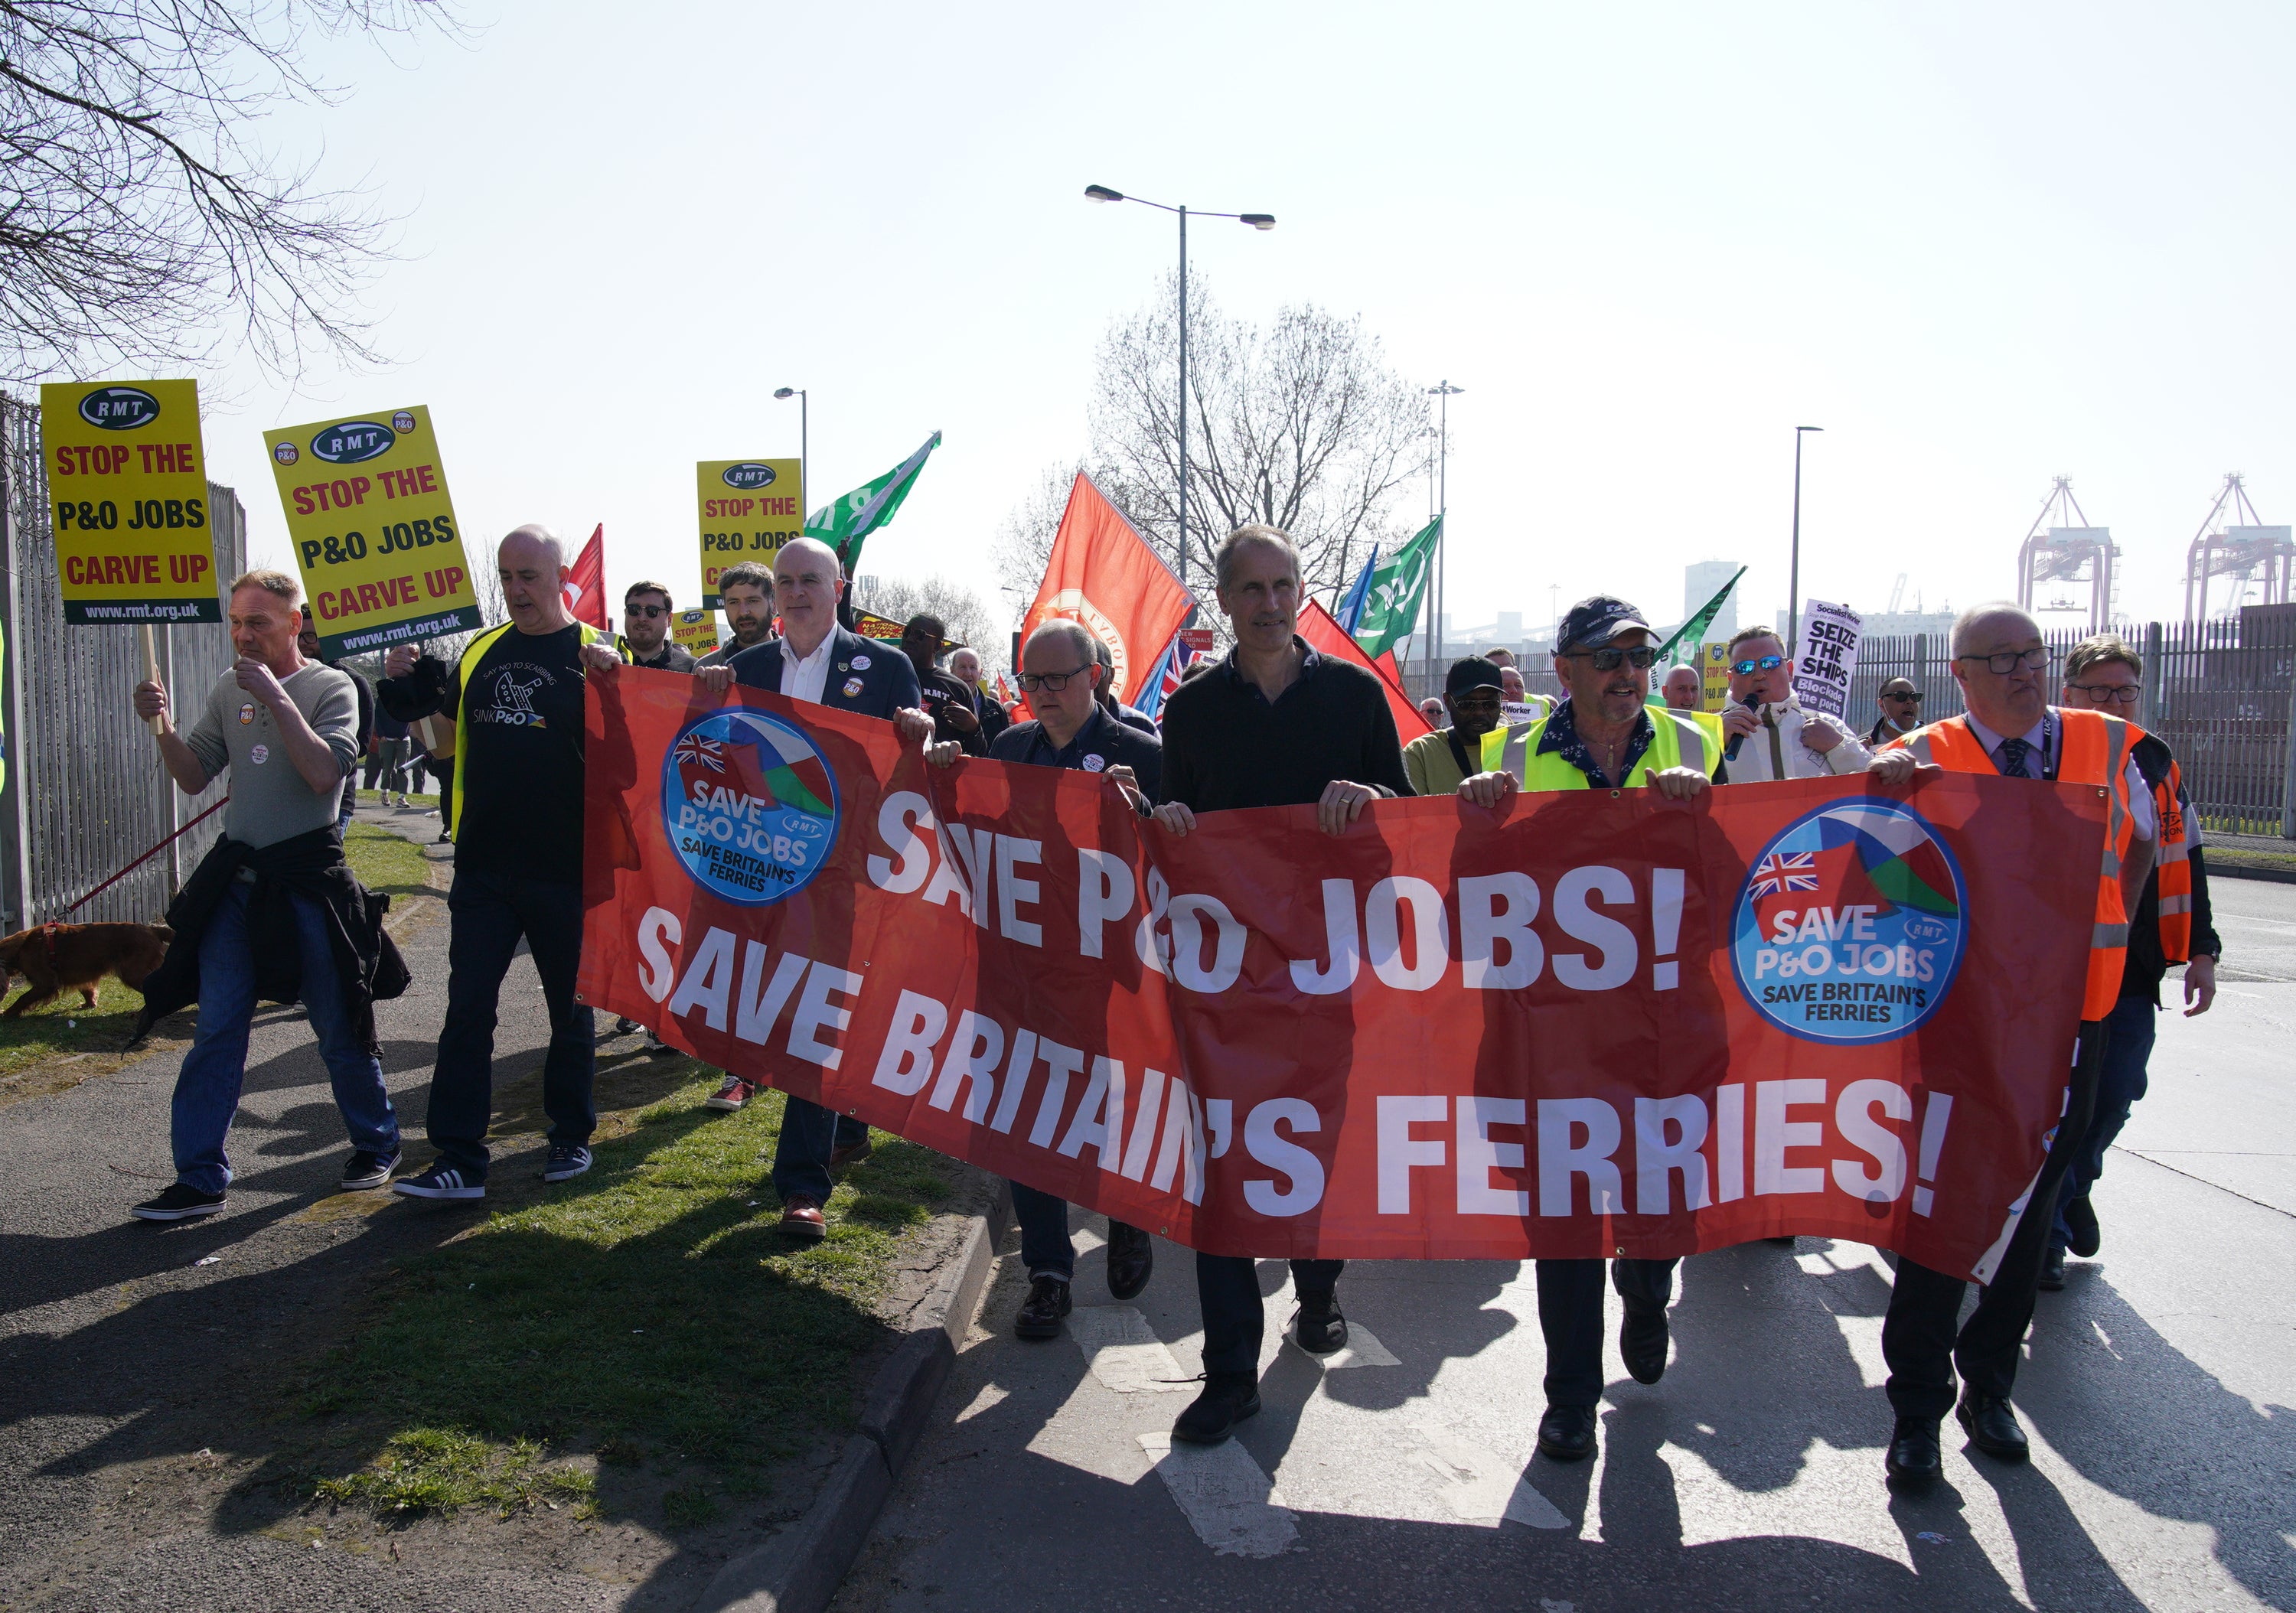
60,957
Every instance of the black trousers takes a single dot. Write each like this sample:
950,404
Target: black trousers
1570,1317
1919,1336
1228,1290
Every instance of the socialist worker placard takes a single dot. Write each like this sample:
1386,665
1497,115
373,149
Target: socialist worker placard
373,529
128,499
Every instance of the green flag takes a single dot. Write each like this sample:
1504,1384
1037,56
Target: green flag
1397,589
844,523
1692,632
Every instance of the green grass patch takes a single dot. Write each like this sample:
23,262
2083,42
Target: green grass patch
439,1470
2242,857
386,862
649,1311
429,801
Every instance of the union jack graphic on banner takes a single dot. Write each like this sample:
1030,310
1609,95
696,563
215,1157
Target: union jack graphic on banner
1784,871
710,753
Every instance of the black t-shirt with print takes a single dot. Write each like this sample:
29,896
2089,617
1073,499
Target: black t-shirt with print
521,811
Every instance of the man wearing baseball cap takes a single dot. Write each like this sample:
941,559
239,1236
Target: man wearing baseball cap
1437,763
1602,735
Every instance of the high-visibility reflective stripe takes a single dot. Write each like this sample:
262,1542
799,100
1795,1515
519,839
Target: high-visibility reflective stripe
2174,905
1691,740
2110,937
2176,851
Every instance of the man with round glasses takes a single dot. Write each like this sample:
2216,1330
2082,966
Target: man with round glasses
1770,736
1061,678
2010,730
1901,712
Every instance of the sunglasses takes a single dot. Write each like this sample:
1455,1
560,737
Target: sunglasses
647,610
1911,697
1611,657
1768,663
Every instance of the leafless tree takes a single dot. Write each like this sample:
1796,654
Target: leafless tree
1023,544
1300,424
969,621
141,212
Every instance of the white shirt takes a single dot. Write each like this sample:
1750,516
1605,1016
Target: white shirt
1755,764
2140,794
806,679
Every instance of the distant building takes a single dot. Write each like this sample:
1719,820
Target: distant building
1700,582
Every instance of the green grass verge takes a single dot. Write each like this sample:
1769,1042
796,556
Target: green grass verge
649,1311
62,1028
375,796
2232,857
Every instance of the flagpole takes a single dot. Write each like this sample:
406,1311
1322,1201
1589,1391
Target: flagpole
1445,391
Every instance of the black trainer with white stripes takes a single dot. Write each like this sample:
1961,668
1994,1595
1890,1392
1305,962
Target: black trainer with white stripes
440,1180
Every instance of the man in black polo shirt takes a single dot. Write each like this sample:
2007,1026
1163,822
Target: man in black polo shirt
946,701
1274,724
1060,678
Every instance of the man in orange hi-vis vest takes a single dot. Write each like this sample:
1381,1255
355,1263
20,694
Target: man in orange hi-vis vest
2171,924
2010,728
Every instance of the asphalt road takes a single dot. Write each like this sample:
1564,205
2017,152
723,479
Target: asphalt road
2157,1392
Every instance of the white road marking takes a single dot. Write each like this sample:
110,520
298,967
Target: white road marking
1124,1352
1482,1487
1361,1350
1229,1503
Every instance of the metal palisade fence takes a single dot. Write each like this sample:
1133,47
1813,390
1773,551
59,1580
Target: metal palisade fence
84,792
2220,693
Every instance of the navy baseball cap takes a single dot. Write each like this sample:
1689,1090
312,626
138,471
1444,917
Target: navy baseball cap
1596,621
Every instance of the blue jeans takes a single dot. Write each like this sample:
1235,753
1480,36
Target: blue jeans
206,1090
801,1155
490,912
2120,1083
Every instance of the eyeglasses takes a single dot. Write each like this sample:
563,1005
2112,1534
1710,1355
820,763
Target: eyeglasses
2009,660
1768,663
1483,699
1030,682
647,610
1610,657
2099,695
1912,697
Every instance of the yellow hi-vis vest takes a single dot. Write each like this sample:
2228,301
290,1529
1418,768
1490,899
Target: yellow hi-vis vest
473,653
1676,740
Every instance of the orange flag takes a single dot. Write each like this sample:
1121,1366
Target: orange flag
1318,627
1103,575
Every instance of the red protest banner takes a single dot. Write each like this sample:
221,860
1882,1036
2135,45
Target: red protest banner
1592,1023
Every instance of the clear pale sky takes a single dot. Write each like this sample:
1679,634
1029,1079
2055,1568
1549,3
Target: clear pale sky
1981,245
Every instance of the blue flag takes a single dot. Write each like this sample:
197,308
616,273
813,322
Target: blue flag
1349,614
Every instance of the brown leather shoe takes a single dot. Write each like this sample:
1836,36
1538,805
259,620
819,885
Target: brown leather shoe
852,1153
801,1218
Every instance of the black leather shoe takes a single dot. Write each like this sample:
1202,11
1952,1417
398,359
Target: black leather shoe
1228,1399
1916,1459
1567,1433
2080,1221
1642,1342
2052,1272
1041,1312
1321,1329
1131,1257
1991,1423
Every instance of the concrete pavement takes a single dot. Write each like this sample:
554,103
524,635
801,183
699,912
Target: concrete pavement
2157,1394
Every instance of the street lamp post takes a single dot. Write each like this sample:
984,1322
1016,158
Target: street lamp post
1447,392
1794,567
1258,221
786,393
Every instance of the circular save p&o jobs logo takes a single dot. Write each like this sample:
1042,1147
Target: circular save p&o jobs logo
750,804
1851,925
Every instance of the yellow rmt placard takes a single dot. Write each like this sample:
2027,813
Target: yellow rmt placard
1713,677
374,530
749,508
127,496
695,632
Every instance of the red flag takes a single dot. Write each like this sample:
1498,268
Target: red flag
1102,574
585,584
1317,626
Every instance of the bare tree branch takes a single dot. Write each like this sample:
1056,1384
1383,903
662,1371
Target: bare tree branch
139,218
